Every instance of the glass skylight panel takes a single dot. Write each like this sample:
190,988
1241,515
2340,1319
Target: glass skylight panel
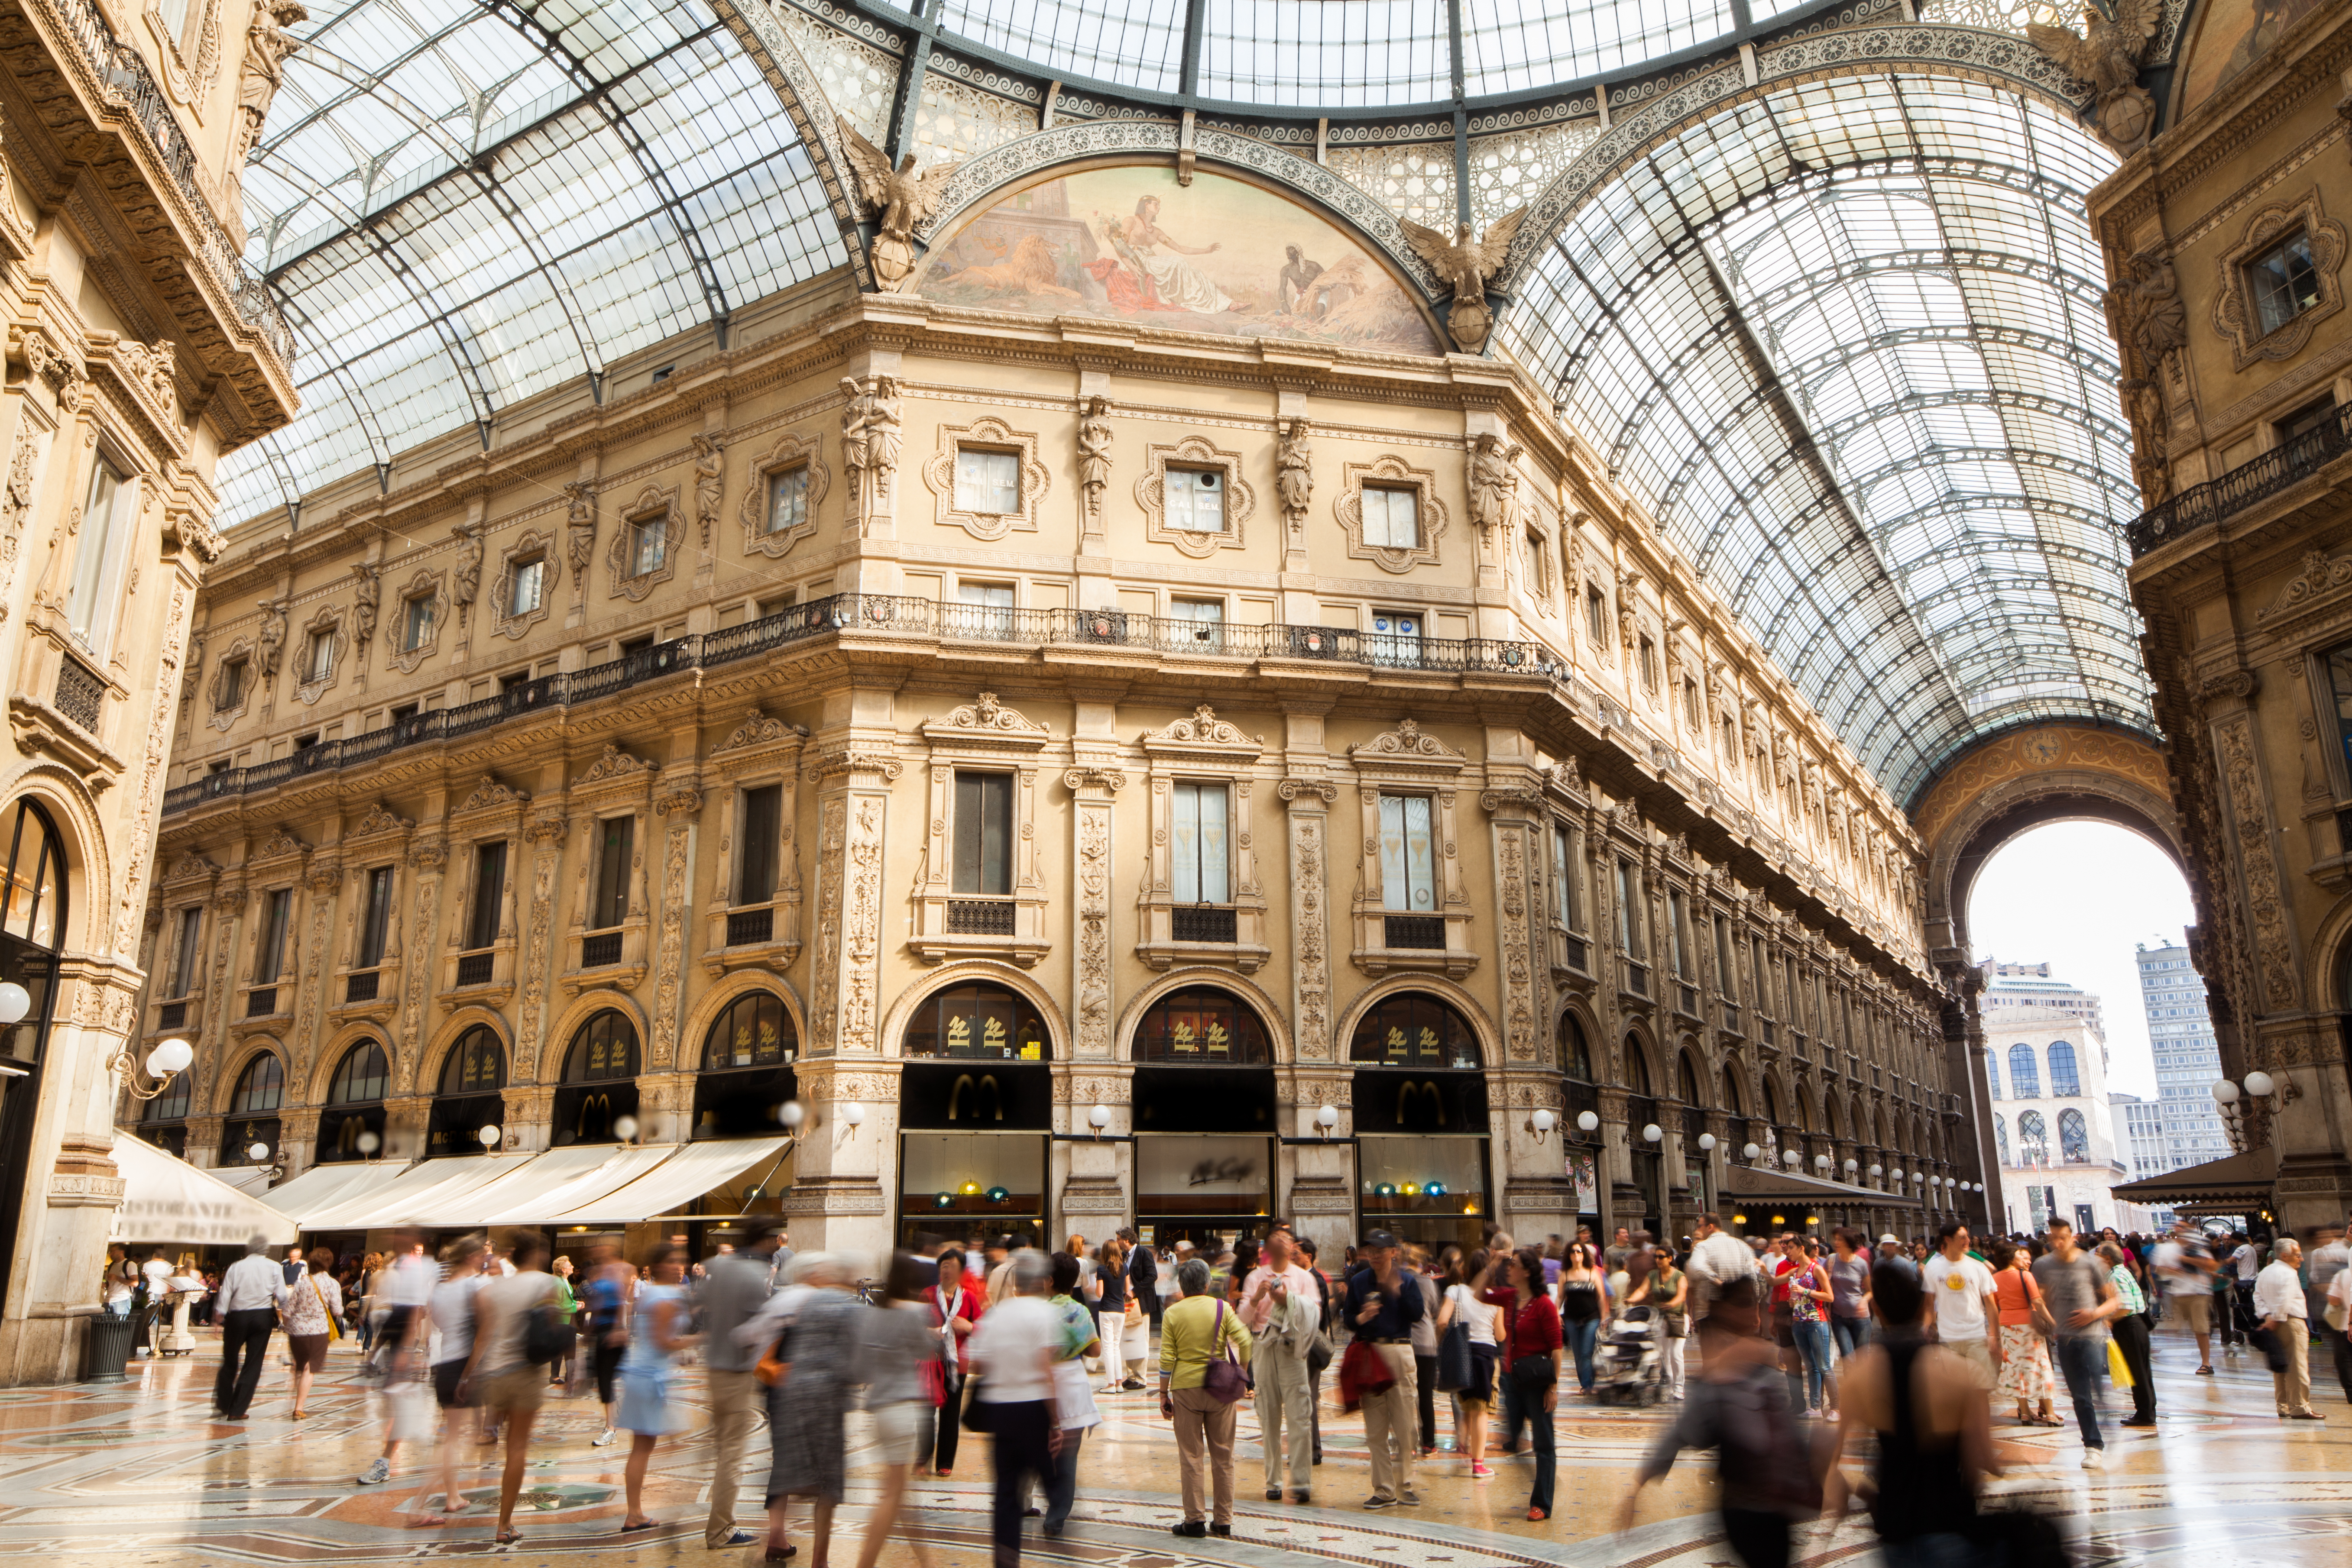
1133,43
1340,53
1509,45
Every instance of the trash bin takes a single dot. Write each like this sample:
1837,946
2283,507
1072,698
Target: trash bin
110,1347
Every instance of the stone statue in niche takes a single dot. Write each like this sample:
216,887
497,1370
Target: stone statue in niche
579,528
2143,405
1094,454
367,593
467,578
870,439
267,45
709,482
1494,482
1465,266
1294,477
2146,313
269,647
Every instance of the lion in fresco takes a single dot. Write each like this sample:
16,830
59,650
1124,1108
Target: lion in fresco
1031,269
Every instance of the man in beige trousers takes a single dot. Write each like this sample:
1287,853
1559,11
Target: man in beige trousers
735,1286
1383,1302
1278,1305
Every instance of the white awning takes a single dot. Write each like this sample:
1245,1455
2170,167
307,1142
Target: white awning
167,1200
419,1195
250,1180
322,1189
680,1179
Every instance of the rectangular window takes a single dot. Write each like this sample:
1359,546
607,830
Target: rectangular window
185,958
614,835
1678,928
375,920
232,686
1649,666
1726,971
1690,702
1196,500
1568,870
89,608
2283,281
1396,638
984,833
788,499
269,953
1408,854
1206,618
1391,517
1629,911
1197,843
763,822
490,892
318,656
988,481
992,614
1596,617
649,545
529,586
416,623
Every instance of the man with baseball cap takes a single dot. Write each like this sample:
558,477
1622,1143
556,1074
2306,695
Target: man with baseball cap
1383,1302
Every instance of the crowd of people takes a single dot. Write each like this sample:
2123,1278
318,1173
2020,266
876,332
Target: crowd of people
1745,1339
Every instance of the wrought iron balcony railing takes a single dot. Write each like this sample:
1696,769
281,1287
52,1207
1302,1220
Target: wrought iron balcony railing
2202,505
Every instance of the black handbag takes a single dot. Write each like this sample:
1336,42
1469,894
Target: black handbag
546,1336
1532,1374
976,1416
1453,1372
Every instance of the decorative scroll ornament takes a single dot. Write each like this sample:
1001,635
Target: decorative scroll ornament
991,715
1204,727
1406,740
615,763
897,200
2107,53
757,730
490,793
1465,266
380,820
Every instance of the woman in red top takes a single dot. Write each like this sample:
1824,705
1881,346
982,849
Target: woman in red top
1531,1370
955,1308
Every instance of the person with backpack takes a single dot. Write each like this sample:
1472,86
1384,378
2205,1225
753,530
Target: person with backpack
1736,1404
516,1334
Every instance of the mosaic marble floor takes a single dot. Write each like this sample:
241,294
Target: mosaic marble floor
138,1474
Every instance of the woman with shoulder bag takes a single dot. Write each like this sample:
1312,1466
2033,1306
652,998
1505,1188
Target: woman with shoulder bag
1531,1382
2025,1375
1461,1308
311,1313
1667,1289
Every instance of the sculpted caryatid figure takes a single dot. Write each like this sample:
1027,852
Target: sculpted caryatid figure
898,199
366,593
1094,454
1494,480
467,577
1294,476
1465,265
267,45
709,482
855,443
579,528
270,646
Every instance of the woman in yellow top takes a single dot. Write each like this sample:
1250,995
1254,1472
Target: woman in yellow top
1192,1332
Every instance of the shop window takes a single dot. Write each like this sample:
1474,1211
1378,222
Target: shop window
1195,499
1408,859
260,1087
754,1031
961,1186
2283,281
982,1021
747,1069
2065,1080
1404,1180
1391,517
171,1105
2025,1072
1203,1025
1413,1030
477,1064
986,482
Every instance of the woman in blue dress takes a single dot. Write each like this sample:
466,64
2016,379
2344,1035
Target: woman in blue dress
649,1369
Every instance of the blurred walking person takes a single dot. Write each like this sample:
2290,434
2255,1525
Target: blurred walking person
249,1294
611,1285
899,1353
1013,1351
1074,1395
313,1312
451,1310
567,1307
404,1295
1279,1305
956,1307
815,1359
648,1373
735,1286
1195,1331
500,1376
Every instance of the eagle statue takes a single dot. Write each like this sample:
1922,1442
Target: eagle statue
1465,265
897,199
2107,53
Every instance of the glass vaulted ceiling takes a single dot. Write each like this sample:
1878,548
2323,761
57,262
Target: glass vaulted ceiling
1846,340
465,203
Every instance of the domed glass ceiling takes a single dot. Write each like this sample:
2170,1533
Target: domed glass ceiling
462,204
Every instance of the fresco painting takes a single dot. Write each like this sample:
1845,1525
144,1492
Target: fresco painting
2233,36
1218,256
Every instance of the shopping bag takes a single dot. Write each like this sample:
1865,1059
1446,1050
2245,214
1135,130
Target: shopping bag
2117,1368
413,1411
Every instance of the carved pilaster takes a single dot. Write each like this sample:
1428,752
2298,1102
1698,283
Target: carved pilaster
1309,801
1091,820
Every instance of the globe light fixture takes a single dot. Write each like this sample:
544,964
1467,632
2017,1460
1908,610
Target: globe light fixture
1821,1162
853,1114
1749,1152
15,1001
791,1113
625,1128
2225,1092
1790,1158
1850,1167
1652,1134
368,1143
1098,1118
2259,1085
1587,1122
1706,1143
490,1136
1877,1171
257,1153
1541,1123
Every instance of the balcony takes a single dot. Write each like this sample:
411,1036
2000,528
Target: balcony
1203,923
361,987
1425,932
751,927
600,949
476,969
2202,505
980,918
171,1016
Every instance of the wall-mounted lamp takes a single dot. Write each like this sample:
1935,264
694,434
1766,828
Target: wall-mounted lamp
1098,1118
852,1116
167,1060
1652,1134
368,1143
1541,1123
1706,1143
1850,1167
258,1153
1821,1162
1790,1158
490,1136
1748,1152
1587,1122
625,1129
1877,1171
1327,1118
791,1113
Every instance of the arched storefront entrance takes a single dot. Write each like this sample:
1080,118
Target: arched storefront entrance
599,1080
975,1115
351,1127
467,1100
1204,1118
252,1119
1421,1121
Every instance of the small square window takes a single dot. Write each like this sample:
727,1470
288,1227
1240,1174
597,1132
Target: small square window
1196,500
649,545
1207,619
1392,517
530,585
416,624
987,481
2283,281
788,499
319,655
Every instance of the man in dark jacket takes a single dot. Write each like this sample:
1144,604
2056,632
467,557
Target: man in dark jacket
1142,1275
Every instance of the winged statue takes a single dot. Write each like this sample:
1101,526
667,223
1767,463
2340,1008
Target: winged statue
898,199
2107,53
1465,265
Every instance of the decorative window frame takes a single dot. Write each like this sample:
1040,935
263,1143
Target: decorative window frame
424,583
1567,806
655,501
759,751
1205,749
2235,316
791,449
1151,495
239,655
378,841
989,434
981,735
530,542
490,812
614,784
329,620
1404,761
274,865
1394,473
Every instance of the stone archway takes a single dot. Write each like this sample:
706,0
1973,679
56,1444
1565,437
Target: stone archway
1992,794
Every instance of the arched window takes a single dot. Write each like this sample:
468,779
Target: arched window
2024,1074
172,1104
2033,1139
1412,1030
1992,1074
1772,1104
991,1023
362,1077
2073,1138
1575,1055
260,1087
1731,1099
34,907
2000,1138
754,1031
2065,1081
1637,1068
1577,1092
477,1064
1686,1079
603,1050
1202,1024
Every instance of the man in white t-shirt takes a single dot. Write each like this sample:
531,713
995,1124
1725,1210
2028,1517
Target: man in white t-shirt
1961,1309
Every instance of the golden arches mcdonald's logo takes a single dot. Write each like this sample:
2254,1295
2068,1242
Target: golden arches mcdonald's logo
1410,1093
985,1093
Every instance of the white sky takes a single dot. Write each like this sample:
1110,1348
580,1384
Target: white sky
2080,896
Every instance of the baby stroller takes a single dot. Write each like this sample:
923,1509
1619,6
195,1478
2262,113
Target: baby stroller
1628,1367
